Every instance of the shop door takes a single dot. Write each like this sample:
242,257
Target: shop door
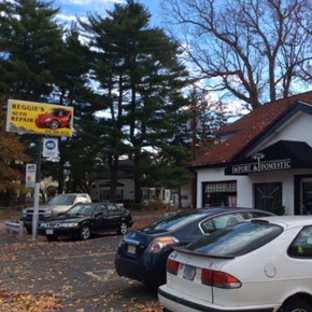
268,196
306,196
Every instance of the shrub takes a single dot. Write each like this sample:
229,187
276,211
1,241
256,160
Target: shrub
155,204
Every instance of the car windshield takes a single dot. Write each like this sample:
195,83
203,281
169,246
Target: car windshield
237,240
172,222
62,200
85,210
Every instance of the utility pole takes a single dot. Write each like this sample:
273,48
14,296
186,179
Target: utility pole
199,103
35,220
194,174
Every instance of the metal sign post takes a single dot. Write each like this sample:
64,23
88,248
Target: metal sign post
35,219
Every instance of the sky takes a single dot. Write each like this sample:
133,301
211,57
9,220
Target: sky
71,8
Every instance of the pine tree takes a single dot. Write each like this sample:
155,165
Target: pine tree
141,77
72,88
29,40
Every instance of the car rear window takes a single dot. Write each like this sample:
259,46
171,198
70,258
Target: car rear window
62,200
173,222
237,240
301,247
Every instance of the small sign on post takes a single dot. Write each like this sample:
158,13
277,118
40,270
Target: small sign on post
50,148
30,175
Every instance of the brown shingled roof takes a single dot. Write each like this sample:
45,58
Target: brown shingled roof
248,128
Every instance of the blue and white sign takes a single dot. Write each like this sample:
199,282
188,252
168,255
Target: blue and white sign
50,148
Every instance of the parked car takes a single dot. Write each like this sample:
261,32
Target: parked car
142,255
84,220
257,265
54,119
54,207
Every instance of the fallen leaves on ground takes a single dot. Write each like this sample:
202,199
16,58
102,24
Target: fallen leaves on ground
50,301
26,302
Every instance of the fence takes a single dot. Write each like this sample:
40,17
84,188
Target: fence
15,227
17,202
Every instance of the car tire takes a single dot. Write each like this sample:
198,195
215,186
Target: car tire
296,305
85,232
52,238
54,125
123,228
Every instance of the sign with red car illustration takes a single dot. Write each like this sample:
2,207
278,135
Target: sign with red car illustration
39,118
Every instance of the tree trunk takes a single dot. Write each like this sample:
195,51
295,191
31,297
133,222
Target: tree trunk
113,163
137,188
60,176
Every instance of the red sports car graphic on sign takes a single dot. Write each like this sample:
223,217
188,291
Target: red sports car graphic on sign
54,119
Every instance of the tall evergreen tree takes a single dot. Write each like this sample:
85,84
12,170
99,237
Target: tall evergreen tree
38,65
72,88
30,40
141,78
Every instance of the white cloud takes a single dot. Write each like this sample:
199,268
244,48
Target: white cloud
71,9
86,5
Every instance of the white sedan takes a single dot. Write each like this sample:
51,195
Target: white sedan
263,265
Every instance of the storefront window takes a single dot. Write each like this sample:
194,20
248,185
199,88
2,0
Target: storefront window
105,195
220,194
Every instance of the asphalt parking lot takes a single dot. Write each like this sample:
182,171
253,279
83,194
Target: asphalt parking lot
79,275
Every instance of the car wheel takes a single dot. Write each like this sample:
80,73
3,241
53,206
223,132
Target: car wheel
54,124
123,228
85,232
52,238
296,305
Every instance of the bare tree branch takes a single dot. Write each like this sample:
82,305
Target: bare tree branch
257,50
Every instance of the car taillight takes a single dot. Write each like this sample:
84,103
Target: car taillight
172,266
206,277
219,279
160,243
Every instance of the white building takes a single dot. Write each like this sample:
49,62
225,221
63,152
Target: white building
263,158
125,186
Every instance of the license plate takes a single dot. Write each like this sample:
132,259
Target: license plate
49,231
131,249
189,272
